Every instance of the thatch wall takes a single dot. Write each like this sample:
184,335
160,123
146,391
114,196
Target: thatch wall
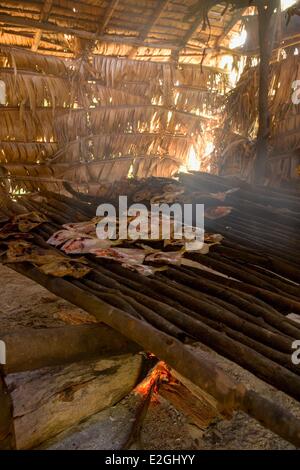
237,147
103,116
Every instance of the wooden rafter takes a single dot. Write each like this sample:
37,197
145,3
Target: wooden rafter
162,5
81,33
190,32
85,46
231,24
146,30
45,12
107,16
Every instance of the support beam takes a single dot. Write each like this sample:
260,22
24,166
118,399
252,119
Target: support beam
162,5
144,33
85,46
44,17
190,33
107,16
81,33
266,40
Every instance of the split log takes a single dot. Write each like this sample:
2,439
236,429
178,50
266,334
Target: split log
50,400
29,348
200,408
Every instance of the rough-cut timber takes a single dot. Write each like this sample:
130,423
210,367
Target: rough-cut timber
49,400
29,349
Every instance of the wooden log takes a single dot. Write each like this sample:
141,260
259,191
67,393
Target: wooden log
242,300
251,276
50,400
197,326
282,303
266,39
7,431
201,307
144,312
30,348
197,368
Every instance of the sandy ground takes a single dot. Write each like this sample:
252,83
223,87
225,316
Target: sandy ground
25,304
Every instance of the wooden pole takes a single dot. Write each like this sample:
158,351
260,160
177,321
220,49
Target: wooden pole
7,434
266,38
30,348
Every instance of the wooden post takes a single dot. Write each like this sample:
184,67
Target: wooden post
266,38
7,434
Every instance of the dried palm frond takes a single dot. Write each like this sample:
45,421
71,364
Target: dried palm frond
92,115
24,125
103,94
94,172
155,166
36,90
26,151
23,59
242,104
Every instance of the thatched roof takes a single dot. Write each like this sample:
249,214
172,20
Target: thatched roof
144,28
98,90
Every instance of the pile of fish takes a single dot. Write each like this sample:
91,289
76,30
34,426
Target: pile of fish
14,236
138,255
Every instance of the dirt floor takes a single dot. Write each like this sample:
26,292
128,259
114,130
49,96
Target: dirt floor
25,304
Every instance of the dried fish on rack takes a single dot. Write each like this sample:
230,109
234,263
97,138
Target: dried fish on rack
47,261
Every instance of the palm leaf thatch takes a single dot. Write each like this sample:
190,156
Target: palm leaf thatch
19,58
24,125
242,103
242,117
35,90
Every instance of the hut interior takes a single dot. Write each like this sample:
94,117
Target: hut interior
149,342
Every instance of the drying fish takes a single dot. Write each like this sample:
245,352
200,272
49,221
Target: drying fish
11,230
62,236
29,221
47,261
130,256
144,269
213,237
213,213
65,267
167,197
221,196
21,251
85,245
162,257
88,228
